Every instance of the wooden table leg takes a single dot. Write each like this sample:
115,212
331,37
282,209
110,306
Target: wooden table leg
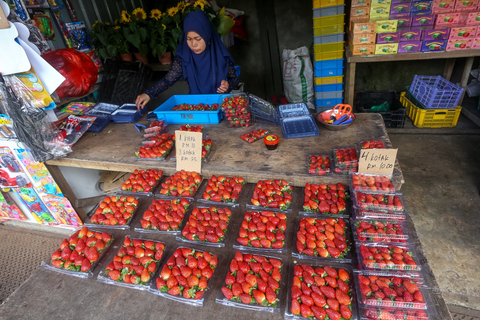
447,72
350,83
66,190
465,76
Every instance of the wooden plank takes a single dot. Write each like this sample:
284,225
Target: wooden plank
447,71
350,83
412,56
465,76
114,148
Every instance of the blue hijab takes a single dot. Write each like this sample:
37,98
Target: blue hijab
205,71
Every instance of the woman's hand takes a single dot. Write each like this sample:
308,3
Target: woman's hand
142,101
223,86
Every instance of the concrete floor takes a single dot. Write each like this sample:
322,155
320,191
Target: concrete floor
442,192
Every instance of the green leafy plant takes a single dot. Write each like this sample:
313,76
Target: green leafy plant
108,40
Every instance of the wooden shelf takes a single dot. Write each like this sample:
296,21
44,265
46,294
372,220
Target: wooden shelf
412,56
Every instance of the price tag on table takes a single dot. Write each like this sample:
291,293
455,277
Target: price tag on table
188,147
377,161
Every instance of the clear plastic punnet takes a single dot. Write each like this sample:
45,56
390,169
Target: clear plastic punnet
254,135
375,313
187,276
156,148
325,199
322,238
389,289
114,212
164,216
366,214
372,144
271,195
222,190
141,182
321,290
385,257
371,183
345,160
379,230
181,184
80,253
191,128
236,110
207,226
134,264
264,231
254,282
319,165
391,202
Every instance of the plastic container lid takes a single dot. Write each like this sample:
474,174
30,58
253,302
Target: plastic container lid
271,139
380,230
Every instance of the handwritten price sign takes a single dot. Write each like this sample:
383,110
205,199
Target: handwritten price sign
188,150
377,161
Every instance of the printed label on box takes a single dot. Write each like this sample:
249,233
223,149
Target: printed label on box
363,11
425,20
404,22
383,26
379,9
381,2
463,32
459,44
445,19
436,34
466,5
363,38
434,46
358,3
421,7
443,6
411,35
473,18
391,37
400,7
362,49
409,47
363,27
386,48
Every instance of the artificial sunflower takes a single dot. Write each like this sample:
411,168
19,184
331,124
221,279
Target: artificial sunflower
95,24
185,6
200,3
116,27
172,11
180,5
139,14
155,14
164,27
125,17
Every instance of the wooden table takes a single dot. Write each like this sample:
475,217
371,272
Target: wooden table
113,149
447,73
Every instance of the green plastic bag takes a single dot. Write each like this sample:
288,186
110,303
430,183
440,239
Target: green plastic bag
381,107
226,23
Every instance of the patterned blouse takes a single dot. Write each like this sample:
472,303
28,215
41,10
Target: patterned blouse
176,73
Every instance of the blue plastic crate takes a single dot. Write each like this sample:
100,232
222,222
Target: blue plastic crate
329,95
434,92
127,113
329,87
328,64
296,121
164,111
331,72
328,102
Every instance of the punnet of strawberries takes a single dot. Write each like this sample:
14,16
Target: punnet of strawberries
189,127
253,280
254,135
81,250
319,165
380,230
325,198
387,257
187,273
223,189
273,194
377,313
263,229
181,184
324,238
372,144
207,224
373,183
378,201
236,111
165,215
321,292
115,211
389,290
142,180
157,147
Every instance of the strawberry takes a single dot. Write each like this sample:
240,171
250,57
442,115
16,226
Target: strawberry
328,292
343,274
114,274
305,311
270,295
174,291
202,284
332,314
259,297
410,286
319,312
333,304
306,300
345,312
342,297
227,293
237,289
245,298
331,271
295,308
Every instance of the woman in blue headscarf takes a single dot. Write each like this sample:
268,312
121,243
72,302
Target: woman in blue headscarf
201,58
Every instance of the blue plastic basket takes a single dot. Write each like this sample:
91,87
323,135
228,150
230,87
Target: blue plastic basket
328,64
329,87
328,102
331,72
434,92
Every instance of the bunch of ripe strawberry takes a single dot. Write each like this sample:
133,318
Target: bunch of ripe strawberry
254,135
81,251
264,229
236,111
115,210
273,194
223,189
165,215
346,160
319,165
207,224
372,144
195,107
374,256
189,127
325,199
187,273
377,230
157,147
378,201
142,180
364,182
135,261
253,279
181,184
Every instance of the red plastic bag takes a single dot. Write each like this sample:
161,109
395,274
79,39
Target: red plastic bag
78,69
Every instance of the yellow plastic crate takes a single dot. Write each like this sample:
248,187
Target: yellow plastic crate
328,20
430,118
328,47
326,3
319,56
328,80
321,31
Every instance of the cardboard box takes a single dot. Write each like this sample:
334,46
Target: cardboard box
390,37
363,38
436,34
360,12
463,33
466,5
443,6
359,3
404,22
434,46
383,26
380,2
396,16
475,43
424,20
362,49
411,35
400,8
421,7
473,18
421,28
379,10
448,19
459,44
386,48
410,47
477,34
362,27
